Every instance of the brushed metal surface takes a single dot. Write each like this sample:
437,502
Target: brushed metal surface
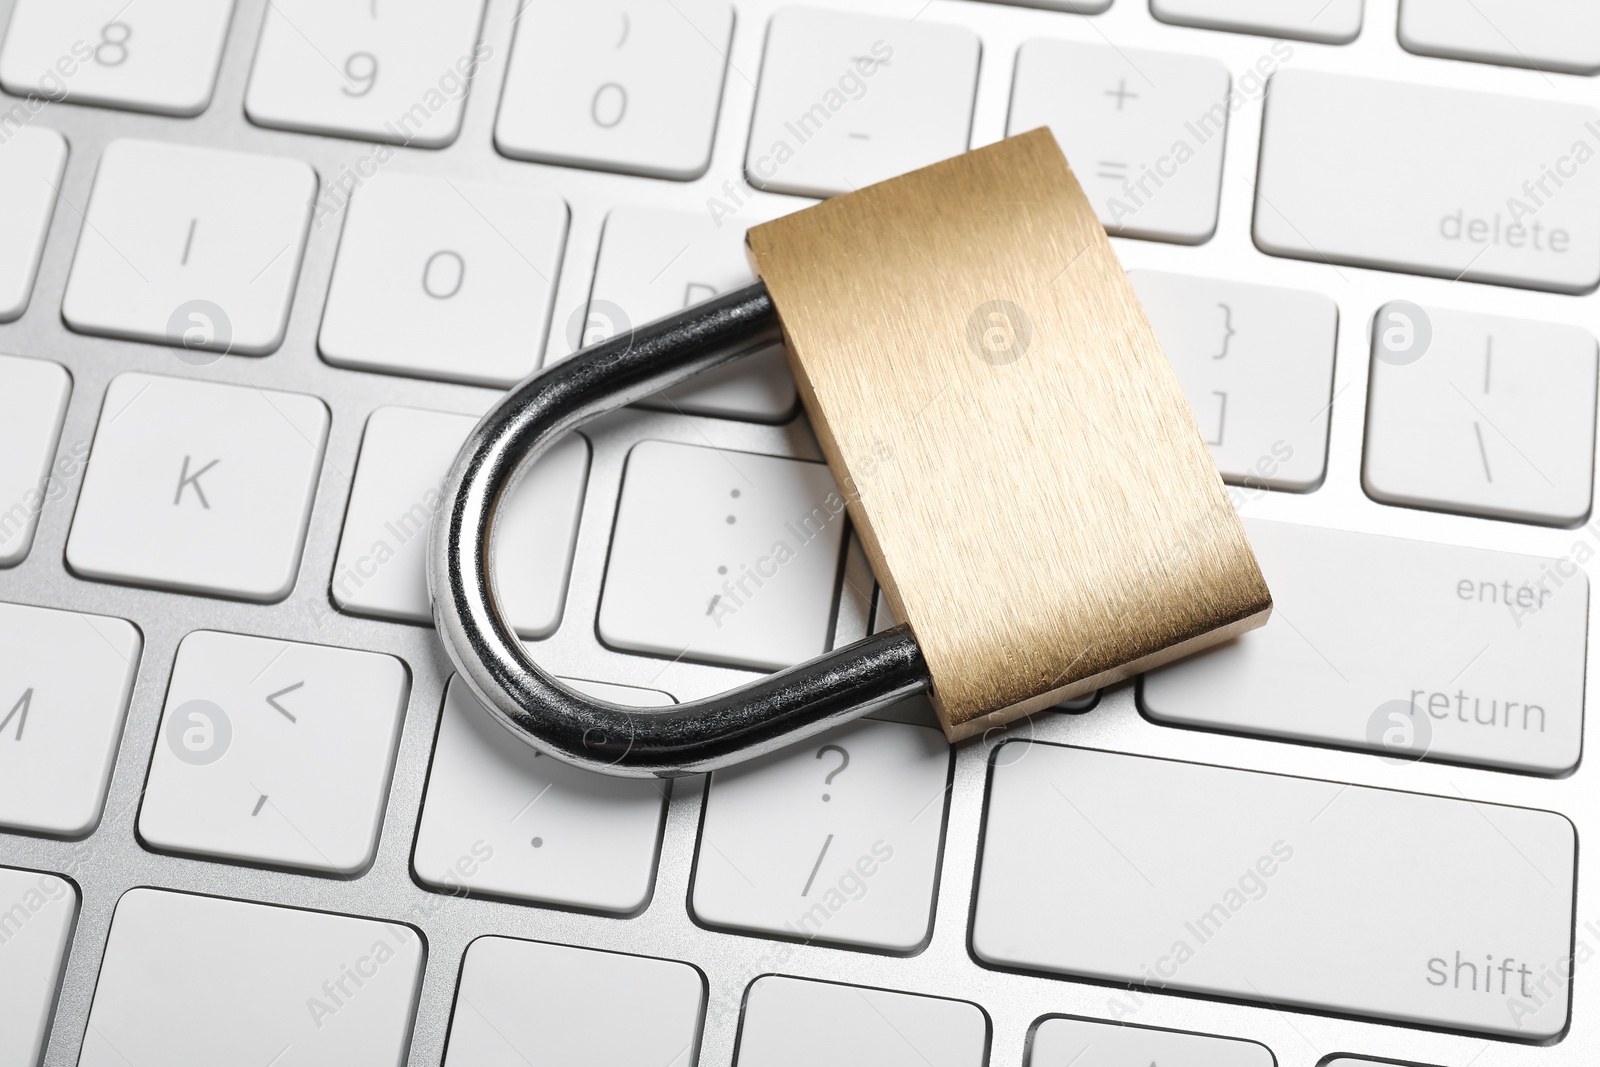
1014,448
111,859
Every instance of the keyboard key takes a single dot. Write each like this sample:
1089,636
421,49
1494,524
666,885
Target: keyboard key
36,916
33,401
833,841
524,1002
1400,647
654,262
1081,7
1144,130
381,567
444,279
623,85
791,1022
723,557
1256,363
275,752
1084,1043
31,162
1346,178
1328,21
1481,415
901,90
189,246
500,818
396,72
160,58
1198,877
199,487
192,979
1556,35
65,680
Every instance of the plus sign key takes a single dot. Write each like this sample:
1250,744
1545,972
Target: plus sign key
274,752
1144,131
199,487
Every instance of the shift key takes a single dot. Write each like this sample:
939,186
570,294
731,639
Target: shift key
1410,649
1429,180
1159,875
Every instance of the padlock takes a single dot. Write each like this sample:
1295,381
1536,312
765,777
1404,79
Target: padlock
1049,520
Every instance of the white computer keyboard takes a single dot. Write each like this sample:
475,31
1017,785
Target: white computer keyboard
262,263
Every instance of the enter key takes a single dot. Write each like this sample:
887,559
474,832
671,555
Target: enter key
1413,650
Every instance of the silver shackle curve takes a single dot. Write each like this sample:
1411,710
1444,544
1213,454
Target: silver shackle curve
687,738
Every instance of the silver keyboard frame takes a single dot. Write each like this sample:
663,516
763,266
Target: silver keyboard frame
111,860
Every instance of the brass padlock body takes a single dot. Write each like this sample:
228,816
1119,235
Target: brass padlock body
1024,470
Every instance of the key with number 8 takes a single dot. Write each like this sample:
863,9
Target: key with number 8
150,57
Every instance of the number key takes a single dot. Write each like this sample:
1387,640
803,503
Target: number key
626,85
151,57
381,70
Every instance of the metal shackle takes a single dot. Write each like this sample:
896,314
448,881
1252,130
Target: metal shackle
690,738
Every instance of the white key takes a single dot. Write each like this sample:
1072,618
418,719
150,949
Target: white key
65,679
160,58
1328,21
1081,7
833,841
381,567
190,246
654,262
31,162
1256,363
1428,180
275,752
1401,647
1084,1043
726,557
1480,414
500,818
199,487
36,915
624,85
191,979
444,279
395,71
33,401
791,1022
524,1002
1553,35
1144,130
1198,877
847,100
